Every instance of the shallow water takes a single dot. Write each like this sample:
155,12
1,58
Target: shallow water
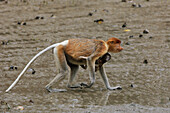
19,43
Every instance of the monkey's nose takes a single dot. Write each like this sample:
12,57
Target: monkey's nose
121,48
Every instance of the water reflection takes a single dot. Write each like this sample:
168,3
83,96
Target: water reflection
86,98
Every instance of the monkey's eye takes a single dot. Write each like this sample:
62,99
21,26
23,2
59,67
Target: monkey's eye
112,42
118,41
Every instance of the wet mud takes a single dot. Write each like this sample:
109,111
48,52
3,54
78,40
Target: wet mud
142,68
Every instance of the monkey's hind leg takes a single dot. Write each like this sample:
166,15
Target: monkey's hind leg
61,62
74,69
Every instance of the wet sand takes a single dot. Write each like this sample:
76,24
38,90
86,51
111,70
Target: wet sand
142,68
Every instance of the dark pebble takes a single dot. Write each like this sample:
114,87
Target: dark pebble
105,10
150,37
31,101
145,61
90,14
33,72
4,43
3,103
131,85
15,68
24,23
37,17
12,68
6,1
139,5
140,35
98,20
127,43
124,25
145,31
134,5
131,36
132,105
19,23
124,0
42,17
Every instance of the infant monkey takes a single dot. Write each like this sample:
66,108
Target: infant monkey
73,53
99,62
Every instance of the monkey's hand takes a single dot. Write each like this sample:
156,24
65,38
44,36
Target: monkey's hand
75,86
81,86
114,88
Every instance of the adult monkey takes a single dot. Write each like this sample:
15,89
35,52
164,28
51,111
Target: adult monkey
75,52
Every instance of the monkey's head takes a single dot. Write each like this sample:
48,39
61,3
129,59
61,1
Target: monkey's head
114,45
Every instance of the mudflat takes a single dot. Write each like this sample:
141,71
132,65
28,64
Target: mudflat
142,68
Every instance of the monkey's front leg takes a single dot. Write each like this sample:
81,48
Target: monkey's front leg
91,69
105,80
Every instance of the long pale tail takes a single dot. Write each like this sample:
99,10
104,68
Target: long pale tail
32,60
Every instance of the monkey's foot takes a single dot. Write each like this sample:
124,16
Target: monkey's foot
55,90
85,85
114,88
81,86
75,86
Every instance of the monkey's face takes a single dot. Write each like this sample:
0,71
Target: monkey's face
114,45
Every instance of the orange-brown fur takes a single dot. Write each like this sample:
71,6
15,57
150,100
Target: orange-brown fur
85,47
88,47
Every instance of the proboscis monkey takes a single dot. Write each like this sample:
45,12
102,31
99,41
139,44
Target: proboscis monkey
75,52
